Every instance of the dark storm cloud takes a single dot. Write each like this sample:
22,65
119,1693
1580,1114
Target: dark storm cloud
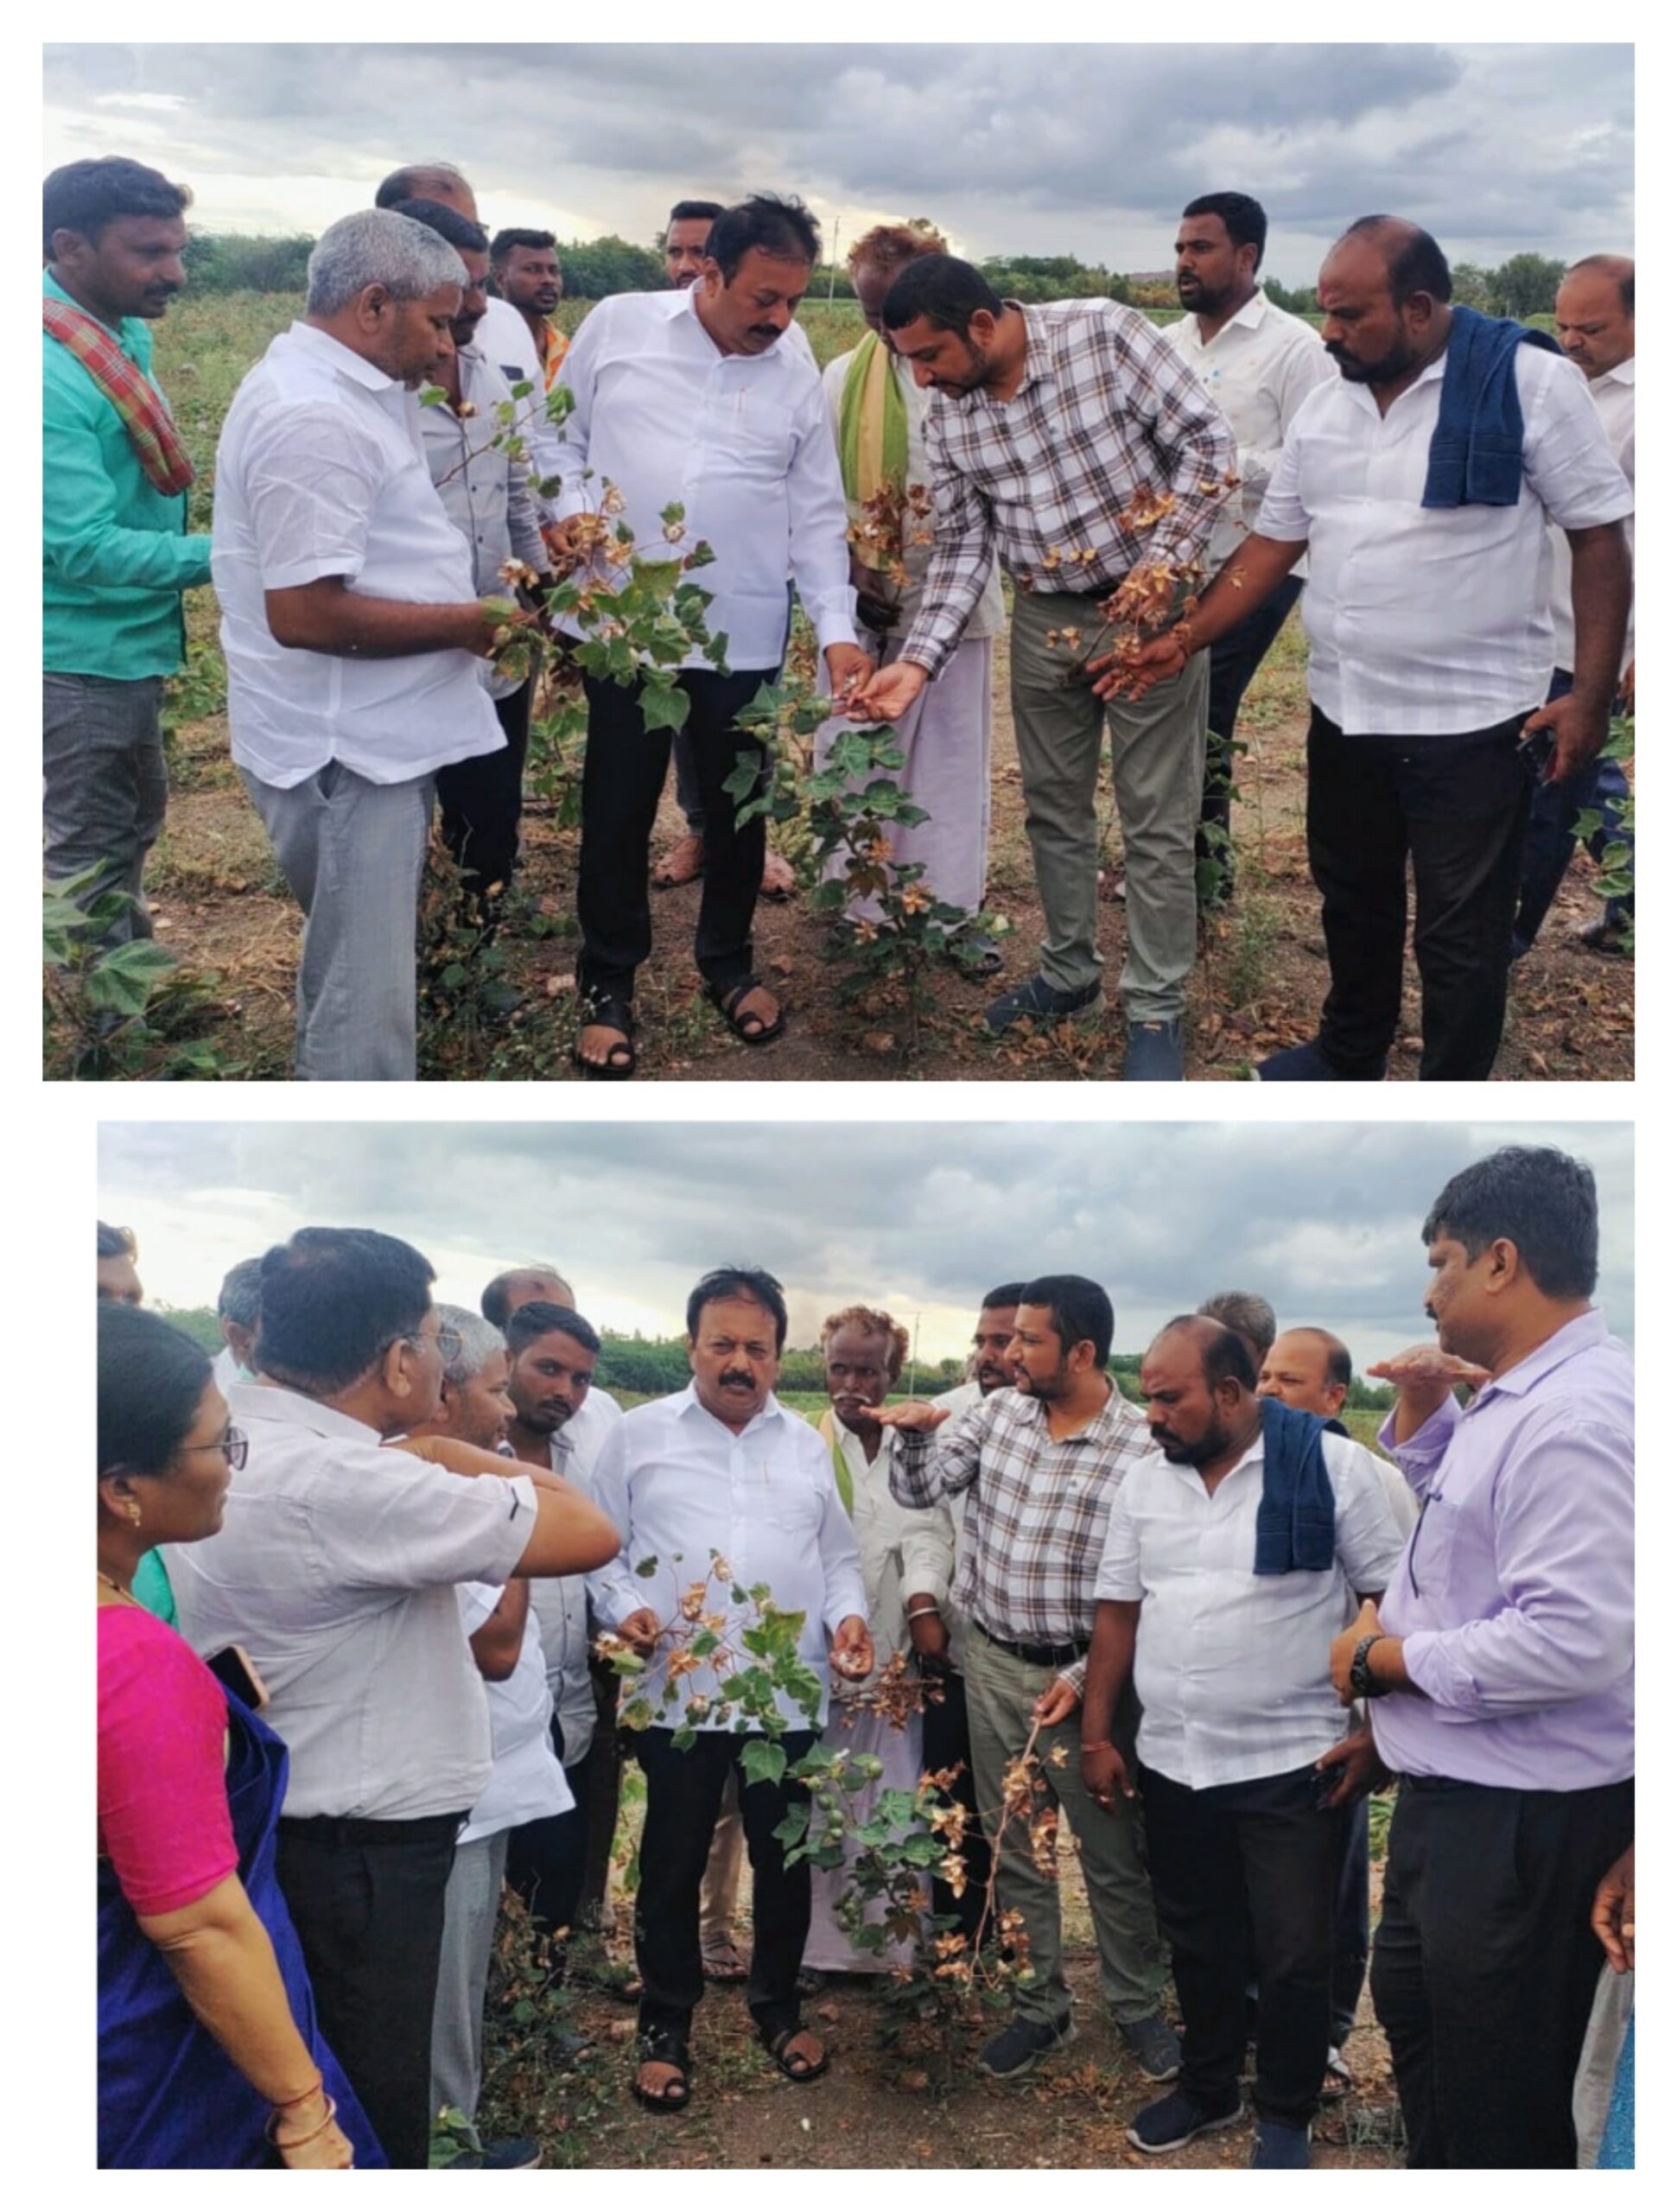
1324,1220
1087,148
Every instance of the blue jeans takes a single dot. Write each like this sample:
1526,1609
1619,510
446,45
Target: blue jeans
1553,833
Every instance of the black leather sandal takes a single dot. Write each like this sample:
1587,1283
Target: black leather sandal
600,1009
663,2049
793,2064
726,999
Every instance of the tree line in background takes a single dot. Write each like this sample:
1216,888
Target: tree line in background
653,1366
596,268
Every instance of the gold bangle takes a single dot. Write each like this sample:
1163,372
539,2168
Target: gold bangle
285,2104
297,2142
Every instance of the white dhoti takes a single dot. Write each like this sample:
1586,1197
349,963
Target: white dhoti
830,1950
945,739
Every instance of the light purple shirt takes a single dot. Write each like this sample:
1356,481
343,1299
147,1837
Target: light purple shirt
1515,1597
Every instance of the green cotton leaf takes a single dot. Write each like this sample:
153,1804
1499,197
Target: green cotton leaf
742,784
1589,821
715,651
432,395
853,1779
683,1739
522,389
704,1643
123,981
627,1662
646,1569
794,1827
762,1761
63,926
699,557
664,706
658,576
560,401
636,1715
674,513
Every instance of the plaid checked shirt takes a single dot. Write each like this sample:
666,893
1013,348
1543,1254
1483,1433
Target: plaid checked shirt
1106,409
1037,1515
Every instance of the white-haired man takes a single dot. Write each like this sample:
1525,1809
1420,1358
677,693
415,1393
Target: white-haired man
527,1781
350,626
238,1310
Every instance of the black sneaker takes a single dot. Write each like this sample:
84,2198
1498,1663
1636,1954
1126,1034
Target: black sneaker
1020,2044
1176,2120
1152,2045
1037,1001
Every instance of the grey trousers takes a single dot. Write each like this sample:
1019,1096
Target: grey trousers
353,852
1001,1692
469,1908
107,786
1158,773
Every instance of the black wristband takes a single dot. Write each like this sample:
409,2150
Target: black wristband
1363,1683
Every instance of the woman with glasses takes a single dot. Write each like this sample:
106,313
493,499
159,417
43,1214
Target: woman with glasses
209,2054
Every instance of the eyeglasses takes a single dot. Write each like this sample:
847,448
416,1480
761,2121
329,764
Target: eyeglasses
235,1445
448,1342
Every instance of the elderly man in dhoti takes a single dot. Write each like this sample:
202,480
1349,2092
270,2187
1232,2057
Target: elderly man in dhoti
863,1352
879,415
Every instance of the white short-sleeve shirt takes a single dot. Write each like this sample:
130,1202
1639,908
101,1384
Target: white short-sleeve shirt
322,472
528,1782
559,1603
1231,1667
335,1569
1433,620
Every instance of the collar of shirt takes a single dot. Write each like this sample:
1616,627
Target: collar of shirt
1361,396
344,359
271,1402
1097,1432
1625,372
687,1404
1252,316
1588,1330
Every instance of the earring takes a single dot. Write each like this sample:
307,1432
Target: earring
134,1515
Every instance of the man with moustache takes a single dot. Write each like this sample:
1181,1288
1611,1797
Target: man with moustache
1072,442
526,1783
116,551
1260,364
1042,1464
1423,481
690,396
937,1626
352,625
685,238
489,498
1228,1558
1501,1661
528,276
558,1419
722,1468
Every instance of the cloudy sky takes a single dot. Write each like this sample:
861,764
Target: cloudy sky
921,1217
1087,149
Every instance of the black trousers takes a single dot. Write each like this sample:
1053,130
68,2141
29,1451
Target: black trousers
684,1797
623,773
1262,1856
946,1741
368,1909
604,1783
1235,659
1484,1965
1455,807
1350,1924
480,800
545,1858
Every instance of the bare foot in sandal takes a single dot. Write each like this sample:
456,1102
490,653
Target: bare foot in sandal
800,2055
779,881
661,2084
683,863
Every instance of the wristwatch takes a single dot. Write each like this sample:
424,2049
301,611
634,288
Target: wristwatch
1363,1683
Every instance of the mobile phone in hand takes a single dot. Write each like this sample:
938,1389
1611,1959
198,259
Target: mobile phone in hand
1538,750
233,1668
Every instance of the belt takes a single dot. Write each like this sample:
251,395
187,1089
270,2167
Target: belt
328,1827
1037,1655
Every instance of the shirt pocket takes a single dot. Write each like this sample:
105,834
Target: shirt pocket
790,1504
749,438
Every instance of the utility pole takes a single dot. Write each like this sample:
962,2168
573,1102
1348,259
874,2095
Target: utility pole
832,270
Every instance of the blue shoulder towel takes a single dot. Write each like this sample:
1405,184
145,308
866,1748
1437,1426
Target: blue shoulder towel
1295,1514
1476,457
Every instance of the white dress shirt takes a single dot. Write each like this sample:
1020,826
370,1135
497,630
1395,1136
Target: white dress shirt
503,337
1259,368
335,1568
681,1485
224,1370
322,472
1231,1667
1614,395
559,1603
741,441
1428,620
527,1783
991,617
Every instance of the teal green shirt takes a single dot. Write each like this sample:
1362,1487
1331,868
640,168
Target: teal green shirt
151,1587
115,556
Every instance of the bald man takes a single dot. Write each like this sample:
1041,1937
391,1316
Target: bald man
1423,480
1595,320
